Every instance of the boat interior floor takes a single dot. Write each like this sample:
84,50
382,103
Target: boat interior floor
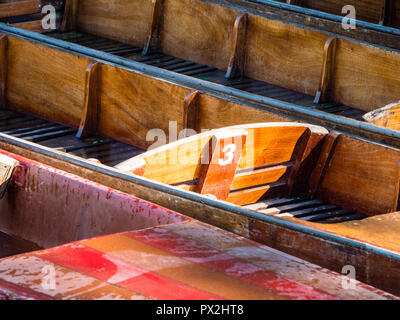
63,138
10,246
303,208
205,72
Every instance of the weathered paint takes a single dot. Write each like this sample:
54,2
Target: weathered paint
187,260
50,207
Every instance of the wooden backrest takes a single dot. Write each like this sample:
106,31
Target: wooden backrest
266,156
358,175
276,52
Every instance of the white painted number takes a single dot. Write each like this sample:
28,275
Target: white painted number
228,153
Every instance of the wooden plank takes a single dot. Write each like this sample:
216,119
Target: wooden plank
153,41
223,158
362,176
54,91
260,177
90,115
16,8
252,195
140,103
3,69
236,63
328,68
69,20
123,21
34,26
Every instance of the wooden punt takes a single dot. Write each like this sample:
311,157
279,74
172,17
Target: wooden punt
76,108
141,251
242,49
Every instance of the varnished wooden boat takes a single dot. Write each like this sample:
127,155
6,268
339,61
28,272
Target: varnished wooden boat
243,49
76,108
160,254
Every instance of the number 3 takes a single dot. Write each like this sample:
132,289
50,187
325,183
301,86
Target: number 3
228,152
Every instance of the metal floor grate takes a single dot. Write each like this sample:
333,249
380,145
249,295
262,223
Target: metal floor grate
204,72
305,209
60,137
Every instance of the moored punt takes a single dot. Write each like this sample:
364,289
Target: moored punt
74,102
296,172
263,57
185,261
164,255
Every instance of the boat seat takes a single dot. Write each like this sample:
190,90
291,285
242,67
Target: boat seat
304,208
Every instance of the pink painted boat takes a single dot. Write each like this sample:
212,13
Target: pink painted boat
65,237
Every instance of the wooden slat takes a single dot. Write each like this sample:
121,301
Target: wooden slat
252,195
153,39
217,175
236,63
90,114
3,69
34,26
15,8
260,177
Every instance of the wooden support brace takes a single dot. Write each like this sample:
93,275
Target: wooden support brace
236,63
153,39
89,120
225,150
3,69
191,110
300,151
70,16
294,2
323,163
328,67
387,13
18,8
